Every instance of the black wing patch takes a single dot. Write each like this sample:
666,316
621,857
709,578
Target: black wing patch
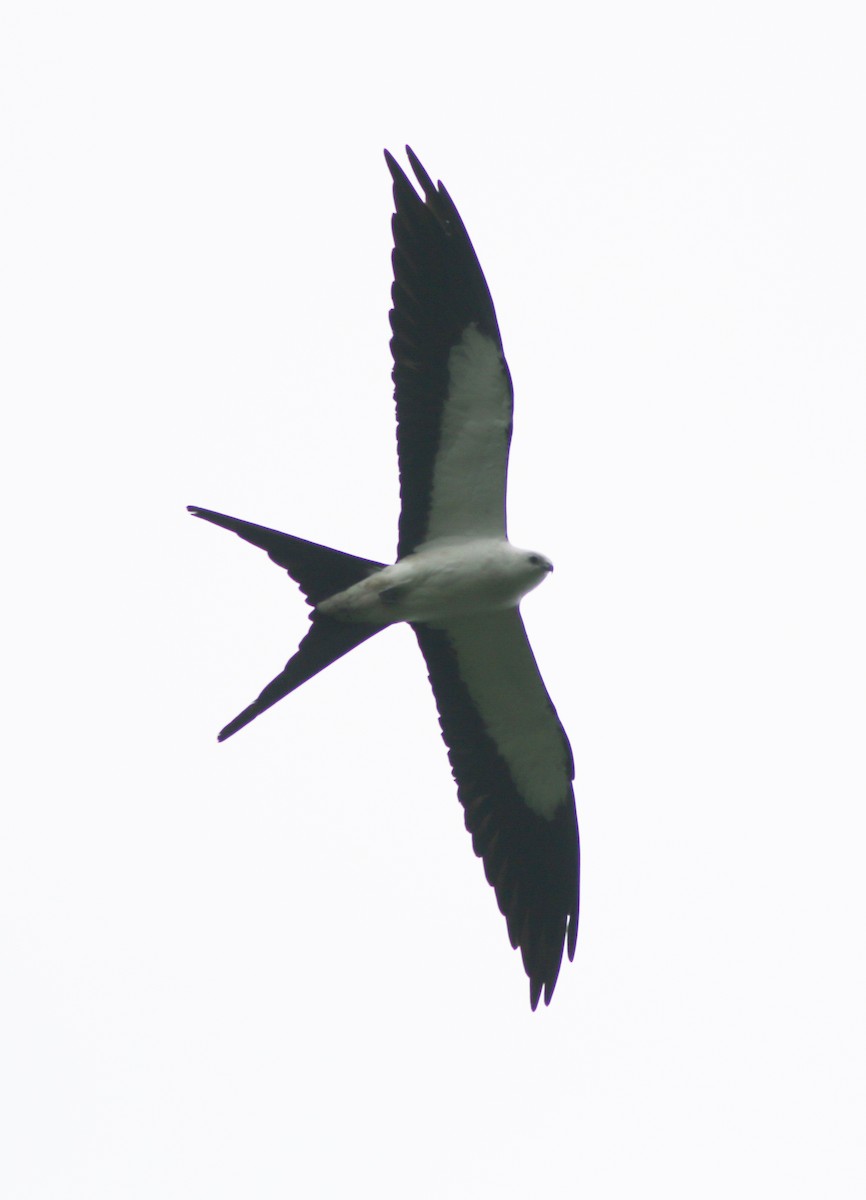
532,863
439,291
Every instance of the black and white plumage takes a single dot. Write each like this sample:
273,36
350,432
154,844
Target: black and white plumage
457,581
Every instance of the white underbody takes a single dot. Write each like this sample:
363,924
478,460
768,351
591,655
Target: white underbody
443,580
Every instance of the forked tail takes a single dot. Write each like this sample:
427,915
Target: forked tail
320,572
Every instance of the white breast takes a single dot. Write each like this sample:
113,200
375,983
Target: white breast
445,579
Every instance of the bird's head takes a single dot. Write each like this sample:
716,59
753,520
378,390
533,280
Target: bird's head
536,567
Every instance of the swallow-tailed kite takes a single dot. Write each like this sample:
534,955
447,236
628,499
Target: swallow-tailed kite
457,581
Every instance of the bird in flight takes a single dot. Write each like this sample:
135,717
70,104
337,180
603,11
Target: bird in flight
457,581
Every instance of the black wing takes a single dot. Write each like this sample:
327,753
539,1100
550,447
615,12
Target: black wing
452,386
514,769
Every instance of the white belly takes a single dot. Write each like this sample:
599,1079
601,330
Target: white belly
454,578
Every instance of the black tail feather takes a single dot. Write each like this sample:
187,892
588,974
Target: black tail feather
326,641
320,571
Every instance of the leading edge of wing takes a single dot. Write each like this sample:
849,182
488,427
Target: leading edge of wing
442,305
514,769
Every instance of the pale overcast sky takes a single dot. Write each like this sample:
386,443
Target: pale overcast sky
274,967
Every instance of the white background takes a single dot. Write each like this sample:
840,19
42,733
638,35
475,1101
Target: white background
273,968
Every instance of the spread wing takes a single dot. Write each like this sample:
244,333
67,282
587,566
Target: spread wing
514,769
451,382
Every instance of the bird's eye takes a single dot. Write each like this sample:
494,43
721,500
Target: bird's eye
535,560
